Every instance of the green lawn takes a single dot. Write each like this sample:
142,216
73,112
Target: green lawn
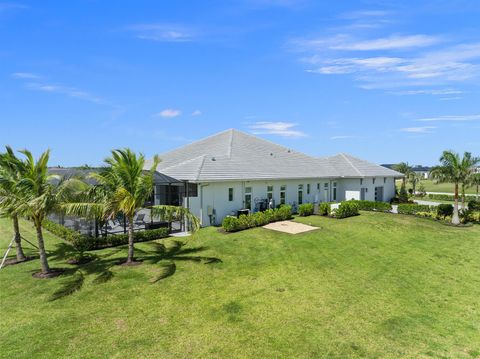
374,286
431,186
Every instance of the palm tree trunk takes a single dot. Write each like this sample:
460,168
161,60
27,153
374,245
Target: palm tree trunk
18,239
455,218
130,239
41,248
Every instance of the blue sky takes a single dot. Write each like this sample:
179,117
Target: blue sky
387,81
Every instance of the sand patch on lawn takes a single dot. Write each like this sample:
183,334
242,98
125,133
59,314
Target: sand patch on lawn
289,227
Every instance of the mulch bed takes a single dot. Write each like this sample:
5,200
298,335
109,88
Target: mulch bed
54,272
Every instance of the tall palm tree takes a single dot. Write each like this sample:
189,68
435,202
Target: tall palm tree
414,179
475,181
41,194
456,170
122,187
9,177
405,169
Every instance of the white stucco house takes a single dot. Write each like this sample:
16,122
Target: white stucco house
233,170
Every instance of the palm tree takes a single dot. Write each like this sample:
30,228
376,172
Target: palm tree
9,177
41,194
406,169
475,181
414,179
456,170
122,187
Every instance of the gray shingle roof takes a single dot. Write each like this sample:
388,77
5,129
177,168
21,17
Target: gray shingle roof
235,155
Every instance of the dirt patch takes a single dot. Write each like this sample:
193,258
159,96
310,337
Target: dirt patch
12,261
130,264
80,261
289,227
54,272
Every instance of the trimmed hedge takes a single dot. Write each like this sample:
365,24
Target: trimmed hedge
305,209
474,205
324,209
83,242
373,206
346,209
444,210
234,224
407,208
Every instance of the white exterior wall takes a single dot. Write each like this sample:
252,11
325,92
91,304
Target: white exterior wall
350,188
214,195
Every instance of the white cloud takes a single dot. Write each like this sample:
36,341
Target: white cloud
196,113
450,118
25,75
435,68
365,13
163,32
421,129
435,92
346,42
35,83
285,129
389,43
169,113
65,90
342,137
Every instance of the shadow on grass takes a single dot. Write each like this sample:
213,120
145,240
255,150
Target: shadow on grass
101,266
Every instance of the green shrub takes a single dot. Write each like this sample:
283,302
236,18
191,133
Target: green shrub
305,209
373,206
285,212
403,195
444,210
83,242
408,208
233,224
324,208
346,209
426,214
474,205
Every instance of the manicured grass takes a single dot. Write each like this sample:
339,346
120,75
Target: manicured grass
375,286
432,186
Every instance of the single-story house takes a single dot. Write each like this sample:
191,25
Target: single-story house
233,170
422,171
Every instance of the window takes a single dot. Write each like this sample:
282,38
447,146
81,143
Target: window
300,194
361,181
384,179
318,186
334,191
308,188
192,189
230,194
269,192
325,185
248,198
282,194
373,180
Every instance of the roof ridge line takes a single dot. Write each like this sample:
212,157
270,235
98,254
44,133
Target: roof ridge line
230,144
350,163
183,162
200,168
